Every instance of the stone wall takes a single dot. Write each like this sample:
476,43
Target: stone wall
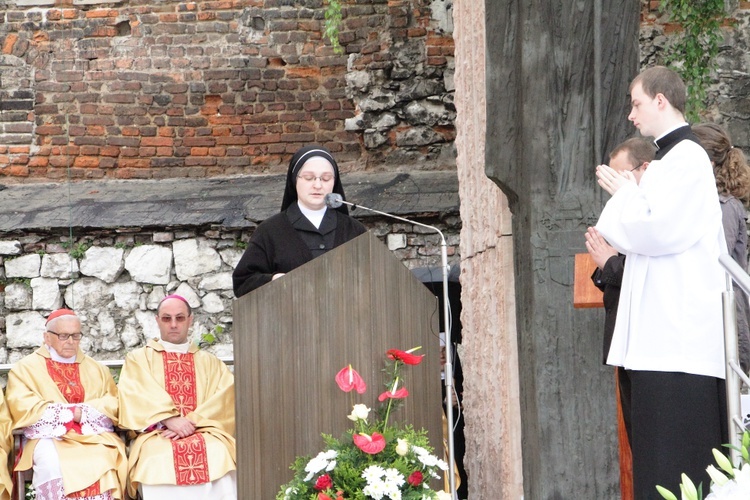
116,278
729,95
139,89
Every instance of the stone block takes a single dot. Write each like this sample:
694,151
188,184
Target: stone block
127,295
186,292
25,266
396,241
88,294
218,281
46,294
58,265
212,303
194,257
147,322
231,256
10,247
104,263
150,264
17,296
24,329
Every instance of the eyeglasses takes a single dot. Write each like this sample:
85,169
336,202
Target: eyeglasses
635,168
66,336
310,177
168,319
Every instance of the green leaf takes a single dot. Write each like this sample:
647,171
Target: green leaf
666,493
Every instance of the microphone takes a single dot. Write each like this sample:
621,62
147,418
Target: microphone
335,200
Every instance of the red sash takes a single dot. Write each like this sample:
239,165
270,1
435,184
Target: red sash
189,454
67,378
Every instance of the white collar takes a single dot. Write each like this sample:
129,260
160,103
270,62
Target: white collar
180,348
56,357
314,216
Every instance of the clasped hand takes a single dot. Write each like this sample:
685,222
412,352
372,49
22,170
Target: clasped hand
611,180
177,428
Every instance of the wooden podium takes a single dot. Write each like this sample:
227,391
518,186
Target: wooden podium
292,336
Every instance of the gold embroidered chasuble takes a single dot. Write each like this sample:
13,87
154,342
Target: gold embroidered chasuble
84,459
6,446
145,400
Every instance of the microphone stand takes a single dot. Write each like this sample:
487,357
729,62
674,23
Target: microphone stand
335,202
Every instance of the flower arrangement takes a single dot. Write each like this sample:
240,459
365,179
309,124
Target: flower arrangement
375,459
729,483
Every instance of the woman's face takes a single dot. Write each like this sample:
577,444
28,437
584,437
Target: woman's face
314,181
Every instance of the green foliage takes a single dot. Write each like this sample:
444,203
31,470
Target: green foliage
210,338
694,53
115,371
333,25
78,250
242,245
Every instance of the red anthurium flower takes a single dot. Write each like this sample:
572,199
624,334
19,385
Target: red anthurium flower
369,444
349,379
323,496
415,478
339,495
405,357
323,483
399,394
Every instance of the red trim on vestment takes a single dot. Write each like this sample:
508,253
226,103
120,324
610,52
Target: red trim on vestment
189,454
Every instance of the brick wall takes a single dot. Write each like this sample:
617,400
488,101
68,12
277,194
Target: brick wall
92,89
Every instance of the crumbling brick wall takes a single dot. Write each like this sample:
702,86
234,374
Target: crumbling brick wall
136,89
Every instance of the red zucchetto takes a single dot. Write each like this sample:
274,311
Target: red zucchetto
58,313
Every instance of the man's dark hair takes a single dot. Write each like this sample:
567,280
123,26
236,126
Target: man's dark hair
639,151
662,80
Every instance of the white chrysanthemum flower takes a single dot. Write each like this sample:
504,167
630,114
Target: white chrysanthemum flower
374,489
393,476
428,460
419,450
442,465
443,495
330,454
373,473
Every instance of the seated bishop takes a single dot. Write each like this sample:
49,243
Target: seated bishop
6,445
66,405
180,401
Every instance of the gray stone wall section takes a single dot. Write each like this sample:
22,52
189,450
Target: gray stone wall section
541,136
133,242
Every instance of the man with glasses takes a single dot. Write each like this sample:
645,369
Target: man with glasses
66,404
180,400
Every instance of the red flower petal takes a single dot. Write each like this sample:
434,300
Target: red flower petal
323,496
349,379
323,483
369,444
399,394
405,357
415,478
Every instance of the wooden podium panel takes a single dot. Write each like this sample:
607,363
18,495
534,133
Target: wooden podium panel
292,336
585,293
